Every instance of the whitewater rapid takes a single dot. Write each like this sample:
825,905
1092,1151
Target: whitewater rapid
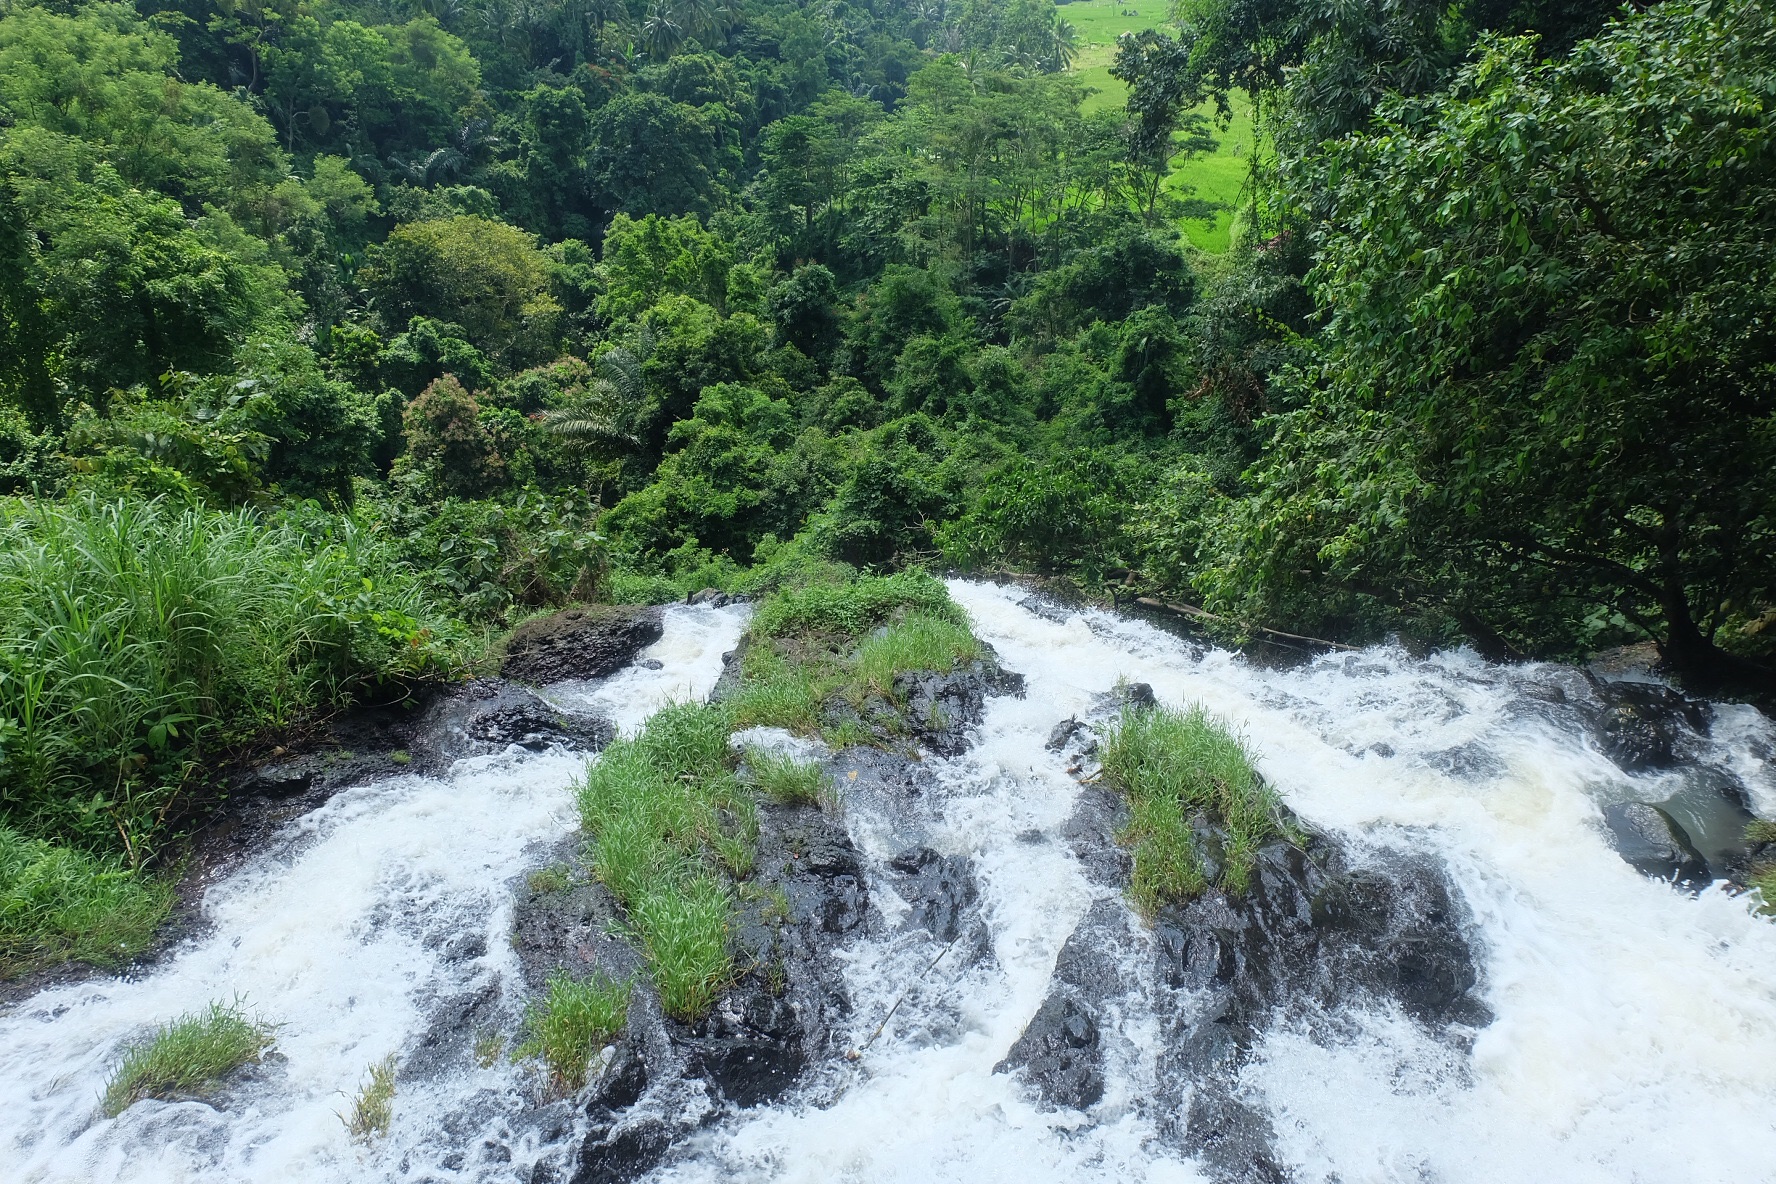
367,916
1634,1029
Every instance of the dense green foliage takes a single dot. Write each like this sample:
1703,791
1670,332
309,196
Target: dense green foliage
374,327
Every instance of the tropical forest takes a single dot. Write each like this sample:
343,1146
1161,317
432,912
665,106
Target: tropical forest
876,590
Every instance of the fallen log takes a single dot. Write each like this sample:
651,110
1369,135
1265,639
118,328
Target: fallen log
1203,614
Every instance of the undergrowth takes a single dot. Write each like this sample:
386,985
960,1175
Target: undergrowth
572,1021
137,637
1176,767
58,904
188,1057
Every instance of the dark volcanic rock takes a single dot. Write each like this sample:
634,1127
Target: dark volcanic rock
1642,725
933,709
588,642
617,1153
940,708
1060,1055
1061,1050
940,889
1655,844
490,715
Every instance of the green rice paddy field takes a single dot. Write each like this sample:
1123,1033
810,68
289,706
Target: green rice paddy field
1218,176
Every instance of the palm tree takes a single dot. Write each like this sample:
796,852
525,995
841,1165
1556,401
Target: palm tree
1063,45
661,32
598,421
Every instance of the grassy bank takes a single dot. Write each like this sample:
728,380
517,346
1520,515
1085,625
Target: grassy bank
141,639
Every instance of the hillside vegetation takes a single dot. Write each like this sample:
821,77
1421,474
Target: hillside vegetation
336,334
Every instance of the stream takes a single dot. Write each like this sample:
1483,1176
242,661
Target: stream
1632,1030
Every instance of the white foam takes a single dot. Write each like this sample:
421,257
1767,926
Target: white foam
346,934
1634,1036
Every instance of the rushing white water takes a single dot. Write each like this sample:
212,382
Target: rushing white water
371,912
1634,1036
1635,1029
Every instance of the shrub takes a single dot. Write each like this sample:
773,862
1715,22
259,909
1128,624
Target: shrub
573,1020
187,1058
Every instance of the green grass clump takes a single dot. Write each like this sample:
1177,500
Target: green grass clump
1173,765
374,1106
188,1057
787,781
854,608
921,642
665,811
58,905
682,925
776,693
572,1021
1763,878
557,877
1761,831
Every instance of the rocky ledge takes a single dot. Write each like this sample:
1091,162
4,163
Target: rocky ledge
1324,927
784,1016
591,641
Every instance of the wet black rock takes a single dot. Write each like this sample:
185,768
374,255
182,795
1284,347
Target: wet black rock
1643,725
616,1153
941,707
1653,842
1098,814
1231,1139
940,889
490,715
1323,927
1064,733
750,1048
1061,1050
588,642
1060,1054
1317,932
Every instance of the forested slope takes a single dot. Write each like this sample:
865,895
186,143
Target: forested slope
432,314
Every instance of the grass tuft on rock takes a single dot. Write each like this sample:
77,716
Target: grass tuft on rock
787,781
572,1021
854,608
1177,768
665,810
374,1106
188,1057
58,904
672,829
921,642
